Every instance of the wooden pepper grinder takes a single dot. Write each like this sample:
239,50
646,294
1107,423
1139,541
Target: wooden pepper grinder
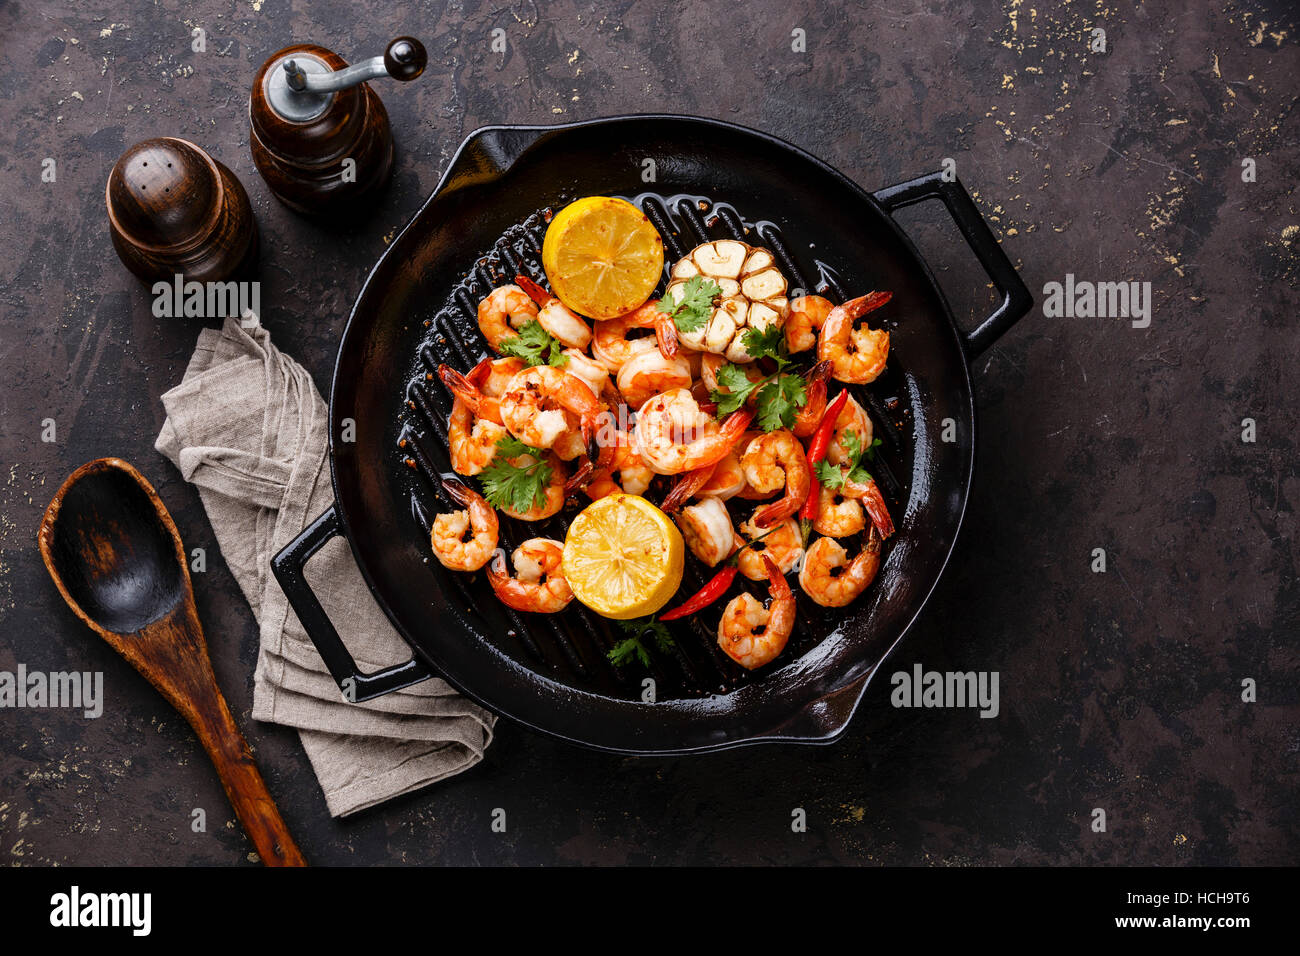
172,209
319,134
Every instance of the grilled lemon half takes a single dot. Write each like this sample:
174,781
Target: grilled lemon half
603,257
623,557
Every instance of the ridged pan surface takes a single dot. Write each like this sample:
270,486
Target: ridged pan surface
551,672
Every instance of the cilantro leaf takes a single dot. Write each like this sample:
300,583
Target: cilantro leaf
853,470
767,342
777,397
734,378
859,475
535,346
692,309
851,442
831,476
738,385
508,446
623,652
512,487
779,400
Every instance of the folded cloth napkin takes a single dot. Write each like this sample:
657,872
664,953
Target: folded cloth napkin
247,426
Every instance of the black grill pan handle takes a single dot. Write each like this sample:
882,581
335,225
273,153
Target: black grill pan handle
288,567
822,721
1016,300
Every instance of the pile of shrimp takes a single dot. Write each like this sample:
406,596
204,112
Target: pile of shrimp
632,404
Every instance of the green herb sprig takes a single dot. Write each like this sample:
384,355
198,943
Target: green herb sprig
777,397
851,470
694,306
625,650
511,487
535,346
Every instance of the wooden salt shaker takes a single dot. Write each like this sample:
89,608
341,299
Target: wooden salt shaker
172,209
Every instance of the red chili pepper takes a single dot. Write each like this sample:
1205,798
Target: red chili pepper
817,451
717,585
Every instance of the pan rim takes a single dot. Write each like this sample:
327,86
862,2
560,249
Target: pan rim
857,677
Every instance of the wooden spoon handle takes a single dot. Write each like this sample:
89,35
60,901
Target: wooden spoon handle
247,791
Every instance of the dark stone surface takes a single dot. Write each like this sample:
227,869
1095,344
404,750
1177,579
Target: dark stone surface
1118,690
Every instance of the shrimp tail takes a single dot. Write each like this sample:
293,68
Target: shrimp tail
478,373
857,308
814,407
462,386
591,430
687,486
874,503
780,587
460,493
734,427
666,334
777,511
535,291
580,478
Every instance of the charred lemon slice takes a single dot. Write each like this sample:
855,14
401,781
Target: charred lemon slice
623,558
602,256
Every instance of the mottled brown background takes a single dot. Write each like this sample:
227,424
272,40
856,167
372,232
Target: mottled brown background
1119,690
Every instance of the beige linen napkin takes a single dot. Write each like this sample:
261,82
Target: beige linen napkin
247,426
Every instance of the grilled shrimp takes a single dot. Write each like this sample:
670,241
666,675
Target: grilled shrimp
771,462
783,544
588,369
857,355
727,480
472,441
722,480
553,494
706,527
831,579
611,347
647,374
814,407
619,468
852,418
807,315
556,317
505,310
493,376
572,443
467,390
537,585
448,536
613,351
873,502
747,492
838,516
675,436
533,406
560,426
753,635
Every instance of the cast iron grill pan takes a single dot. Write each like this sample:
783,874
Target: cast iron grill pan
481,227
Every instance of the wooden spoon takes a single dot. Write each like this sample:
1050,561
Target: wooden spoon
117,559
